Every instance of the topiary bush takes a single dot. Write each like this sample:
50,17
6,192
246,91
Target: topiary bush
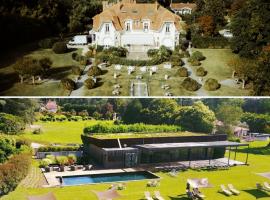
194,62
211,84
197,55
68,84
60,48
76,70
201,71
94,71
191,84
89,83
183,72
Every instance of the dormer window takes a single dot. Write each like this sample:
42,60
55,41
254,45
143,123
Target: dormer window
128,26
167,29
107,28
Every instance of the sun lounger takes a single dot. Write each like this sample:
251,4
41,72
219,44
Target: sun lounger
152,183
225,190
233,190
158,196
147,195
266,186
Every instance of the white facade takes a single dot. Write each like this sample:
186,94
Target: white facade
107,35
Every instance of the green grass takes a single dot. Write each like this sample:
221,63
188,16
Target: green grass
61,68
217,68
143,135
215,64
60,132
242,177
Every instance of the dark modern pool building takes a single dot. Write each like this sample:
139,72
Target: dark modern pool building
132,152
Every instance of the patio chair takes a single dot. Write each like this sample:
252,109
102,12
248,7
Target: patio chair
259,186
233,190
173,173
266,186
153,183
225,190
147,196
158,196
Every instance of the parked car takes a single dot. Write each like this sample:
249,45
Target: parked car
79,40
226,33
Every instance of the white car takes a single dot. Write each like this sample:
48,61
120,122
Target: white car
78,40
227,34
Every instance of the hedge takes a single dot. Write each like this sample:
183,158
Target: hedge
13,172
57,148
68,84
89,83
131,128
183,72
47,43
209,42
201,71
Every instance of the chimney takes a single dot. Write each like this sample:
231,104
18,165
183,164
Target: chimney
105,5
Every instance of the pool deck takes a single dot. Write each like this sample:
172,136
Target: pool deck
54,182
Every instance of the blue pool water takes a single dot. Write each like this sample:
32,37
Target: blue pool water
110,177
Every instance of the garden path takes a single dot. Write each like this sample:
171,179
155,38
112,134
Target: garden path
201,91
140,89
79,84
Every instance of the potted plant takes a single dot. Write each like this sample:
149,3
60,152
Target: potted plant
62,161
45,164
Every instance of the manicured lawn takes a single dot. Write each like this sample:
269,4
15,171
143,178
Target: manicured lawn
217,68
215,64
243,178
51,86
60,132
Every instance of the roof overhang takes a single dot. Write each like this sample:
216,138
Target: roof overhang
163,146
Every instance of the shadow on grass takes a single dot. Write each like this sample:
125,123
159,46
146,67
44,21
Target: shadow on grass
257,193
180,197
59,72
255,150
7,81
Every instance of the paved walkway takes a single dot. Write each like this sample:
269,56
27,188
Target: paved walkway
80,83
140,89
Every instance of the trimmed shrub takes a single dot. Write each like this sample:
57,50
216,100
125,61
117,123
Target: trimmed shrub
130,128
60,48
76,70
13,171
94,71
183,72
197,55
89,83
201,71
194,62
211,84
74,56
190,84
152,52
68,84
209,42
47,43
57,148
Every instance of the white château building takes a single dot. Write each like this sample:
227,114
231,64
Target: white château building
130,24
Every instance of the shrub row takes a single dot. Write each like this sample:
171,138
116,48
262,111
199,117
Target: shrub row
13,171
209,42
131,128
57,148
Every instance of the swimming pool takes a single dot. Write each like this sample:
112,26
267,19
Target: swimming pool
108,177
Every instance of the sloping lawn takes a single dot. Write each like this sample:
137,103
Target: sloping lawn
60,132
173,188
61,68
